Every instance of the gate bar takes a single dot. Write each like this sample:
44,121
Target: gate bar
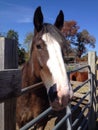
79,86
86,66
31,88
62,120
37,119
83,122
76,106
80,115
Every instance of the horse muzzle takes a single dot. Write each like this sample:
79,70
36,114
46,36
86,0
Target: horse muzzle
58,99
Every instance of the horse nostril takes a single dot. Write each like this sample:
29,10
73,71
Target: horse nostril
52,93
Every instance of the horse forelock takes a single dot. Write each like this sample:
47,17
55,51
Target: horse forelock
55,33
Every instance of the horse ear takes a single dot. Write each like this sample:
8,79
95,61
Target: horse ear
38,19
59,20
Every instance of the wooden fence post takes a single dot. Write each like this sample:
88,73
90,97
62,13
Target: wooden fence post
8,60
97,72
92,63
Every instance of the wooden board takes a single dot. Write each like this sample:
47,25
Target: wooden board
10,83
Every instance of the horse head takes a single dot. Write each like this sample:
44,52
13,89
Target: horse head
46,53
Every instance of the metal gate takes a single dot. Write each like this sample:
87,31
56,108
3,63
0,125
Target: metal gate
90,107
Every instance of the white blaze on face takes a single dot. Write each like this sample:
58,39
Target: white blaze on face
55,64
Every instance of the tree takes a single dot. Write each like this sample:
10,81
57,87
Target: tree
78,39
21,56
70,29
83,39
21,52
67,49
28,40
13,35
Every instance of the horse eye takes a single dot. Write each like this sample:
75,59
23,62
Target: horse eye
38,46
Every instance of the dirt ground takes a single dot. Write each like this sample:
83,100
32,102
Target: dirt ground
57,116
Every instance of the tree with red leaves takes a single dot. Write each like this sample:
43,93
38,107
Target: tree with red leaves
78,39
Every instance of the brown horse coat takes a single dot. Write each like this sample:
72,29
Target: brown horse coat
30,105
79,76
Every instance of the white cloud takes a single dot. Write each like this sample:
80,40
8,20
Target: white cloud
15,13
25,20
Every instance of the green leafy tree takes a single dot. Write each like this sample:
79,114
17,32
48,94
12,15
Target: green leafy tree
21,56
28,40
21,52
13,35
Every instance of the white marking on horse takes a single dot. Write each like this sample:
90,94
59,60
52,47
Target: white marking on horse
56,66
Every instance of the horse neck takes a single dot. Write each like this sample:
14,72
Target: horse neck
30,74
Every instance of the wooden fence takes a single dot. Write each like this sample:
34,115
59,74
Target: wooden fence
10,84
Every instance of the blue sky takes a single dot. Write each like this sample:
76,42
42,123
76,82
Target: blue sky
18,15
